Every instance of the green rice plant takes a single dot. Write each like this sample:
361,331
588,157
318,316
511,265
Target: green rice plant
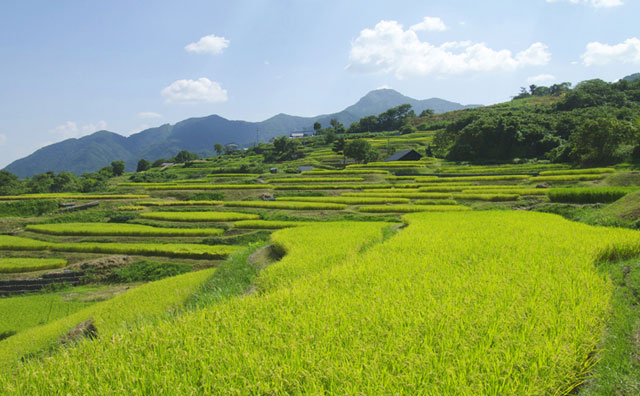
179,203
213,187
286,205
473,303
483,178
346,172
15,264
347,200
499,197
391,190
185,250
442,188
566,178
118,229
394,164
594,171
131,208
412,208
268,224
435,202
198,216
442,182
588,195
72,196
519,191
146,302
187,181
411,195
19,313
146,184
320,186
316,179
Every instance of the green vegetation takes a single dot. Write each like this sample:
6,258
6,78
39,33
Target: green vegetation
27,208
566,178
198,216
347,200
15,264
144,271
185,250
413,208
178,203
594,171
210,187
338,291
118,229
286,205
348,171
435,202
267,224
142,303
400,194
72,196
316,179
487,197
587,195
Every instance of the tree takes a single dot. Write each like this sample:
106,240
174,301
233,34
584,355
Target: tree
157,163
317,126
360,150
219,148
595,141
369,124
143,165
118,167
184,156
338,148
65,182
426,113
337,126
285,149
330,136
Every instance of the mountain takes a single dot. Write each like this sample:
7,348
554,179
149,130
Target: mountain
92,152
632,77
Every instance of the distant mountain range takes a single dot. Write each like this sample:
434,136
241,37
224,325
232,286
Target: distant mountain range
92,152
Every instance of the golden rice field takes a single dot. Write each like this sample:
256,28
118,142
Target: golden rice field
117,229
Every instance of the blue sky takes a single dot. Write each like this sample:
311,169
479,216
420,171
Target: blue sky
69,68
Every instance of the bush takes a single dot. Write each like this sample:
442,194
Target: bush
144,271
207,196
27,208
587,195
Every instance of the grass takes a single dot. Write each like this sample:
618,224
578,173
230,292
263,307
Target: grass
412,208
499,197
347,172
212,187
512,305
594,171
435,202
289,205
401,194
587,195
316,179
567,178
198,216
179,203
15,264
118,229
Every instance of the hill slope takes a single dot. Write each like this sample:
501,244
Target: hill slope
94,151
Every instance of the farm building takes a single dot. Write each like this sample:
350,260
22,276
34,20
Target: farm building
406,155
304,168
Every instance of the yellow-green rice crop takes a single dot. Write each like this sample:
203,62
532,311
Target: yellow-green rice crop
16,264
213,176
286,205
411,195
412,208
567,178
184,250
179,203
442,188
268,224
588,195
483,178
516,190
474,303
347,200
316,179
144,302
395,164
435,202
131,208
198,216
22,312
71,196
118,229
213,187
346,172
577,171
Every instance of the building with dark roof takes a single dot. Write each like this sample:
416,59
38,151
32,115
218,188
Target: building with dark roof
406,155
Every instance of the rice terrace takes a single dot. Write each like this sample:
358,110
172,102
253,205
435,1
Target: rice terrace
398,247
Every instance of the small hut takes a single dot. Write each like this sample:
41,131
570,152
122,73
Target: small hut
406,155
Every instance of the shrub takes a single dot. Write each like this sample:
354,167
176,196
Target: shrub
587,195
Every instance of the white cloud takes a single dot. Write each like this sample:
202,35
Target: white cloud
194,91
149,114
541,78
3,138
601,54
388,48
430,24
594,3
71,129
208,44
385,86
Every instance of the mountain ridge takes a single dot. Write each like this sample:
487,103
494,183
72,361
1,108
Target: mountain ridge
199,134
